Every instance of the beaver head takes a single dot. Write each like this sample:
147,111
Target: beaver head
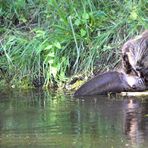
136,83
135,56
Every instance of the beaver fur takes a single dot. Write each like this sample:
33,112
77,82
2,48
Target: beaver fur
114,82
135,56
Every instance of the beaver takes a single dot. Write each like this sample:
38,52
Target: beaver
112,81
132,77
135,56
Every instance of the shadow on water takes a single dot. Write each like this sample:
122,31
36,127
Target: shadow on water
51,119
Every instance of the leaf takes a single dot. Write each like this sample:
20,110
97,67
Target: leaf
48,47
58,45
85,16
77,22
53,70
40,33
134,15
51,54
23,19
50,61
100,13
83,32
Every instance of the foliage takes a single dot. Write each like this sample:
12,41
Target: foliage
53,39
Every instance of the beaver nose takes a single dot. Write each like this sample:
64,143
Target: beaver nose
138,68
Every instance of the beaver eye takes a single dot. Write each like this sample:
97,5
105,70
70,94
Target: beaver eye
138,62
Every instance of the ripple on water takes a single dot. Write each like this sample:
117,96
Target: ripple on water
41,119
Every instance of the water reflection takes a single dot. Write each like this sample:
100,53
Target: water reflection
134,124
43,119
127,113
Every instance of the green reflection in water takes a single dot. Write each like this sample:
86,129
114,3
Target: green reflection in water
43,119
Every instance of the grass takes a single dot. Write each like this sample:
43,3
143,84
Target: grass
48,41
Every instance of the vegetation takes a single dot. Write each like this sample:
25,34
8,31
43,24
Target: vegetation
45,41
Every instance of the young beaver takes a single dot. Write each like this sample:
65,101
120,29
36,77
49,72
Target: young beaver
113,82
135,56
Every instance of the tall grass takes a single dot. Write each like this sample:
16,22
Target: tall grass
54,39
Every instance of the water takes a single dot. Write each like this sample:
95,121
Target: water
37,119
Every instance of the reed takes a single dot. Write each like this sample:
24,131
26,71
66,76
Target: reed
48,41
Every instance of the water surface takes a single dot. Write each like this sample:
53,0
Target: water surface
38,119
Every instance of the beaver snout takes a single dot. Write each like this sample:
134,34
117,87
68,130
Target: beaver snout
138,68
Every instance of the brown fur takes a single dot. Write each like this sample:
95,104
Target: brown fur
113,81
135,56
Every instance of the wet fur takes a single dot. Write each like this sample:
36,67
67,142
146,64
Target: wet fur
114,82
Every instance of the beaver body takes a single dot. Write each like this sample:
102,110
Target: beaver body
114,82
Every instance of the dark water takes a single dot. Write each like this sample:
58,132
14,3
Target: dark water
37,119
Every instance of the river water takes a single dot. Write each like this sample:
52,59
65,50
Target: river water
38,119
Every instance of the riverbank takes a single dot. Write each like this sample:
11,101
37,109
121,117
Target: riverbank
53,43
